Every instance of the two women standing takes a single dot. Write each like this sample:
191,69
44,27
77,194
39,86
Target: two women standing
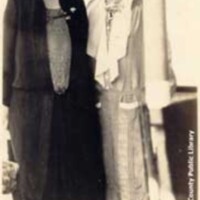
51,97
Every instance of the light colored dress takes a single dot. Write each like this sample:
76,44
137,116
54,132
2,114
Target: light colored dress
121,121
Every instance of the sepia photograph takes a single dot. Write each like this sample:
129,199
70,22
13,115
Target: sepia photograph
99,99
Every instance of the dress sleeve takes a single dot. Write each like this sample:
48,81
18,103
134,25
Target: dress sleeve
9,42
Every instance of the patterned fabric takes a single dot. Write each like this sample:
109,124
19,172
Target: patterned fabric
123,149
59,47
121,125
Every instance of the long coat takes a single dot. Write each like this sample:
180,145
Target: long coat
28,92
26,63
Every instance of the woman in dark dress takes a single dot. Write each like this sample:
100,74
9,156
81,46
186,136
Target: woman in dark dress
49,92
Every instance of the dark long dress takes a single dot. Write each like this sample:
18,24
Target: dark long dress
72,141
75,170
56,139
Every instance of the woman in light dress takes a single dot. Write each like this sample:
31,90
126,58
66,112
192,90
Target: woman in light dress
116,47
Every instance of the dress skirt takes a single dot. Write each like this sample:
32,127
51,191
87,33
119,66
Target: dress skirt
74,165
57,143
